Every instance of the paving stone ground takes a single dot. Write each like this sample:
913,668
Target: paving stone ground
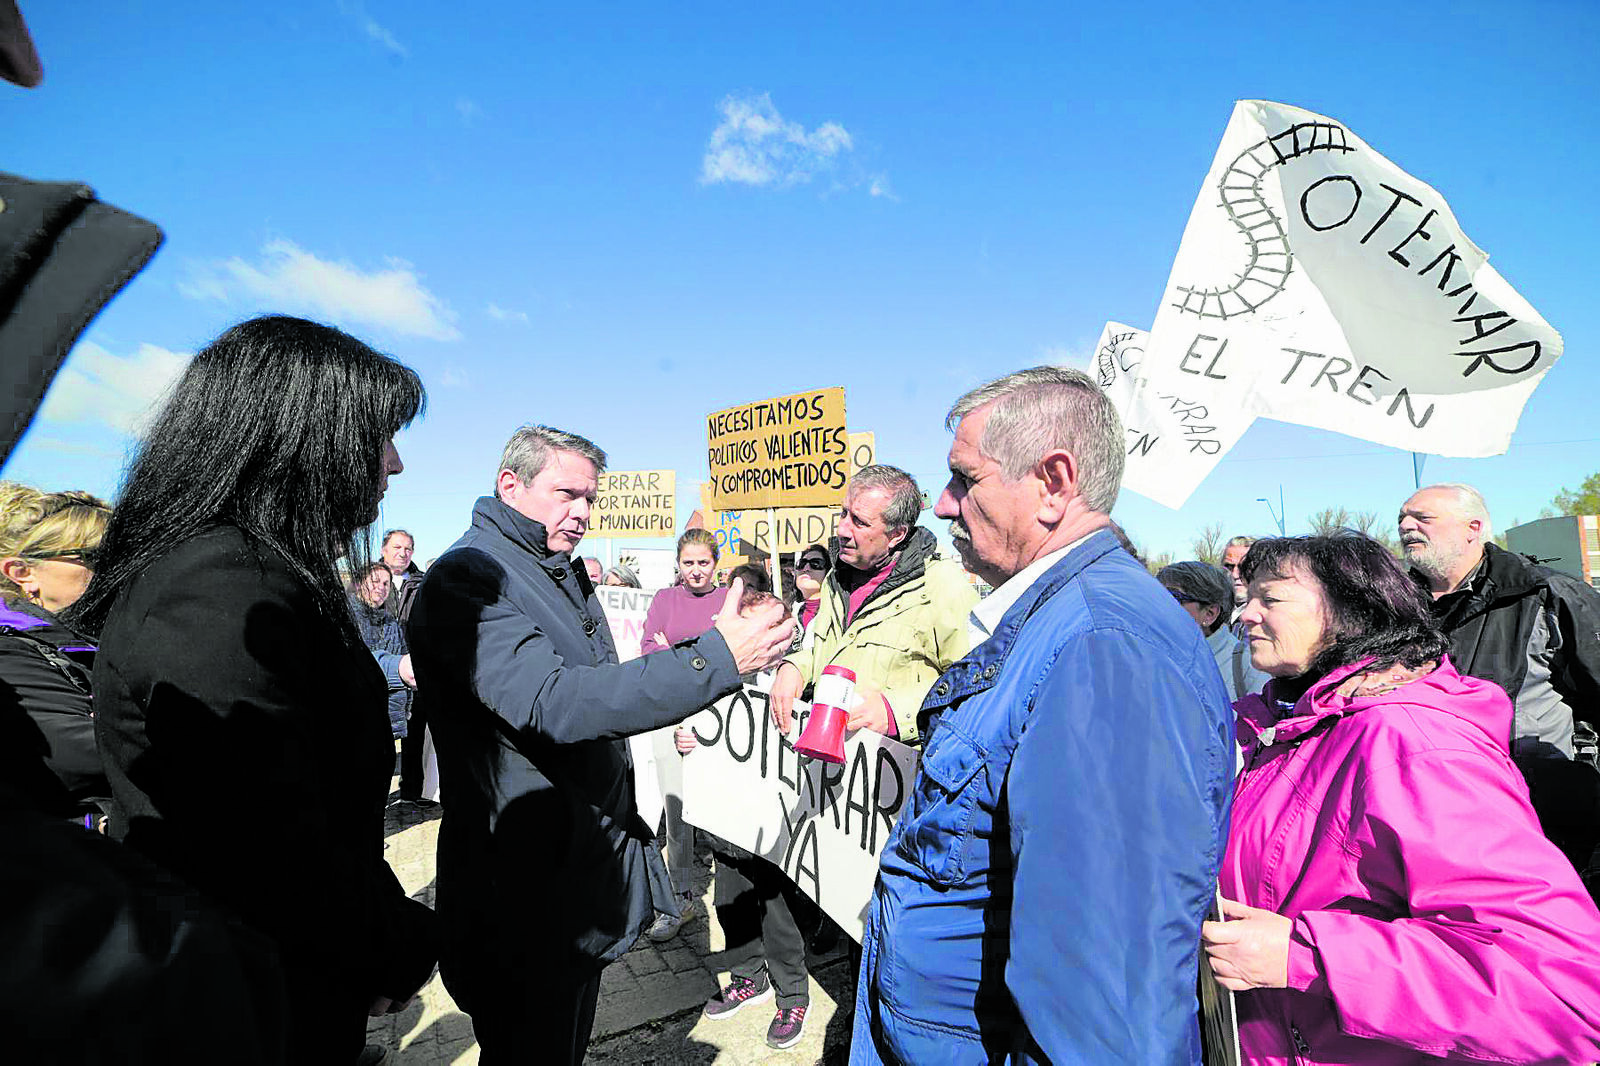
650,999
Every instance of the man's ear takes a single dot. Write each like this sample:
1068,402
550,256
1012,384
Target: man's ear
505,483
1057,471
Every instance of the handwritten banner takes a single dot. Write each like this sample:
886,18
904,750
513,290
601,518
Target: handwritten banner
625,609
1318,283
791,451
636,503
738,532
823,825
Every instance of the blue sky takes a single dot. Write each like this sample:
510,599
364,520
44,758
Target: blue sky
533,207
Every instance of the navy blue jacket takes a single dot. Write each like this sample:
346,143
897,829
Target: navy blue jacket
386,640
1040,898
541,854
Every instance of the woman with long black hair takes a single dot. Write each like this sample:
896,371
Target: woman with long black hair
231,677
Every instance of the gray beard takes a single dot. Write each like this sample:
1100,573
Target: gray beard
1435,563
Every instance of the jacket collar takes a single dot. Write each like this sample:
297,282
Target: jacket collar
911,560
1259,720
525,533
979,668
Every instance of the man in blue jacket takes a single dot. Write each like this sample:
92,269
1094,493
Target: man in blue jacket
542,876
1040,898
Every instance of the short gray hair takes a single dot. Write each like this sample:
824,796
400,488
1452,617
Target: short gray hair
905,499
1045,408
529,448
1241,541
1470,504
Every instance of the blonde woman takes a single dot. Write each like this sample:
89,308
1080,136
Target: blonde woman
47,546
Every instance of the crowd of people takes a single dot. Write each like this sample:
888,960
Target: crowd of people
1352,795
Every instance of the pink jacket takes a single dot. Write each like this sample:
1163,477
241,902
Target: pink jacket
1432,920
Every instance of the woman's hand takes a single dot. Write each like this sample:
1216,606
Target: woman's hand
1249,949
684,739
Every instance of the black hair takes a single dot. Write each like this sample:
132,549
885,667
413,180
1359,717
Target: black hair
1372,608
278,427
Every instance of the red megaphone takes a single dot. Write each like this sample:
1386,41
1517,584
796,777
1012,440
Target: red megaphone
823,736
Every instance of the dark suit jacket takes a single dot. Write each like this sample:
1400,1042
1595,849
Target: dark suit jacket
541,854
248,746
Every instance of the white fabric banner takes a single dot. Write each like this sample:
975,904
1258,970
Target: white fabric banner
824,825
625,609
1160,424
1318,283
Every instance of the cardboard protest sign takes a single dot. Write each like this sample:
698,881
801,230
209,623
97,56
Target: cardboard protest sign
1320,284
625,610
863,450
796,528
823,825
790,451
636,503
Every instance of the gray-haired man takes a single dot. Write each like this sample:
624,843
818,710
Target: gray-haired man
542,876
1040,897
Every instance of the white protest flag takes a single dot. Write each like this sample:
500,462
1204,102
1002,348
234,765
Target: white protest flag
1318,283
1164,429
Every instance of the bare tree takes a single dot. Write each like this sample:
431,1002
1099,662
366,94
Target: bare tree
1208,543
1329,520
1156,563
1379,530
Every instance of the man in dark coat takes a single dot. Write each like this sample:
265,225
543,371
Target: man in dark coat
541,871
1532,631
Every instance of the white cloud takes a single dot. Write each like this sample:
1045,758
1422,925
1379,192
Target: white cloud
500,314
453,377
879,186
754,145
291,279
357,13
468,109
119,391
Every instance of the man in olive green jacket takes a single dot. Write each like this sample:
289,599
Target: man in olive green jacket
892,610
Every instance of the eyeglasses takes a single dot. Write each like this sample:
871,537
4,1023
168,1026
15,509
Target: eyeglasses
813,563
86,557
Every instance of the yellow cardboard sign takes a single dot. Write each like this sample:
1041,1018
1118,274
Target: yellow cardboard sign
789,451
797,527
635,503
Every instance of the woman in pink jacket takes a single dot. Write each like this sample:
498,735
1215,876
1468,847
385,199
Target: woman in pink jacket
1388,896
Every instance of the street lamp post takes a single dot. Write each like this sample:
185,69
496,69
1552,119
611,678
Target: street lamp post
1277,516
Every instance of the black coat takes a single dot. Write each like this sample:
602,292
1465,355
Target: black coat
47,750
1492,626
106,958
248,747
541,853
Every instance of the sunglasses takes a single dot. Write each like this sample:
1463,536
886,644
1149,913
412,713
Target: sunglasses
86,557
819,565
1181,598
